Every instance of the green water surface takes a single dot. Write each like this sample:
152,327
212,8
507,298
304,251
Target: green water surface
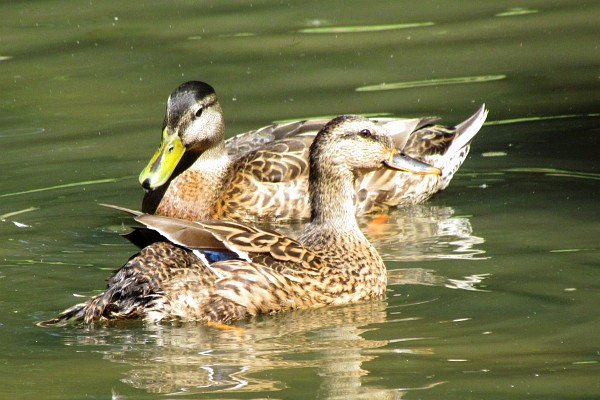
494,283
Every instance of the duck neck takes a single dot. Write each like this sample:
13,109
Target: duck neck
210,156
193,190
332,197
213,162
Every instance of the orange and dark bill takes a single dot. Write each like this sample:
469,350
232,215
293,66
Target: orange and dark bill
402,162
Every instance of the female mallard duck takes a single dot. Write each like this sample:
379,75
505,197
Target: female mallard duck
263,174
262,271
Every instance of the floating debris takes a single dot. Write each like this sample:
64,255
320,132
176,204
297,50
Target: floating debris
494,154
365,28
540,118
511,12
66,185
430,82
13,213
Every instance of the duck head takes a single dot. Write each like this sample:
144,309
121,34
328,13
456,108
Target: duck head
357,145
193,125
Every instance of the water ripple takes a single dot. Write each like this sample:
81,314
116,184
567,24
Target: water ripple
557,172
6,133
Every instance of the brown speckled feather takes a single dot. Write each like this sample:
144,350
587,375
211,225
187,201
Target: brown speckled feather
274,179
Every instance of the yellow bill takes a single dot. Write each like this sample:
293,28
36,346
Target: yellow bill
163,162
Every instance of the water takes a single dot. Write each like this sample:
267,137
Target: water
493,284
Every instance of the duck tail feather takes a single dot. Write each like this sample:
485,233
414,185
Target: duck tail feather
77,312
467,129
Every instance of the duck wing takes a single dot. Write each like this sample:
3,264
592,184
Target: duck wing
251,244
246,142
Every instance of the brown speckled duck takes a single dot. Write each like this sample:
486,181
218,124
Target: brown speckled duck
220,271
263,174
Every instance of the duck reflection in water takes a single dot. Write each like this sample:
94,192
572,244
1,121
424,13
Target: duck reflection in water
423,232
263,354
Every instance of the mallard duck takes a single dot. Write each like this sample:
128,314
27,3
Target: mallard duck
263,174
256,270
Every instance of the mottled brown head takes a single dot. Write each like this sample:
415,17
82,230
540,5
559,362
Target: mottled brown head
356,144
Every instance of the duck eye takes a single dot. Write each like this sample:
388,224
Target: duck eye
199,112
366,133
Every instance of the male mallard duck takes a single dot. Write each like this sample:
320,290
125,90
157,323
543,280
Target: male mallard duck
263,271
263,174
